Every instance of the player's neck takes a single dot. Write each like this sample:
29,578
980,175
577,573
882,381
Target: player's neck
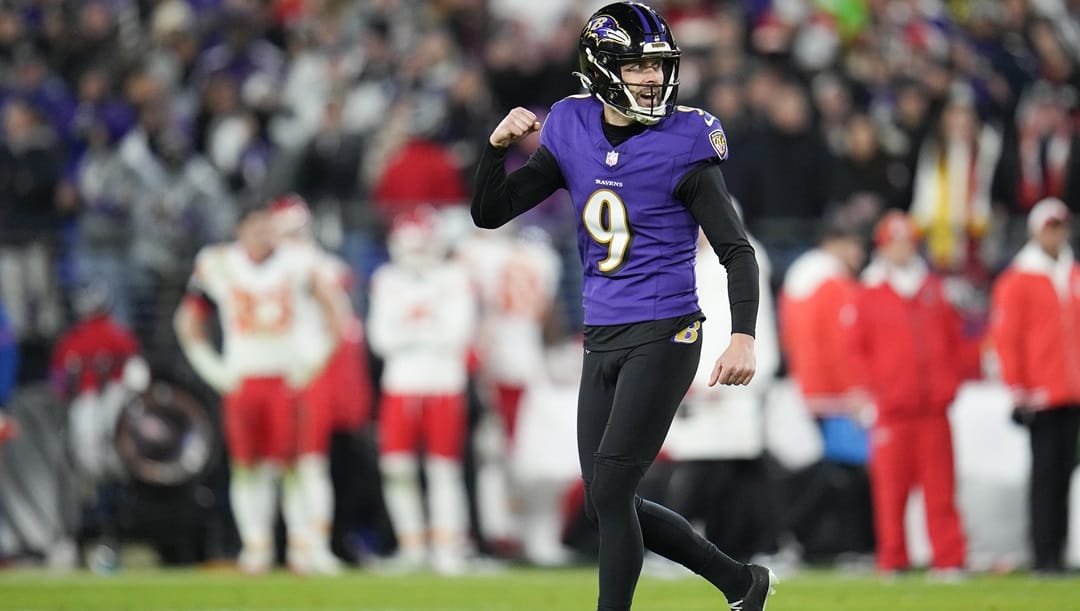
258,254
614,117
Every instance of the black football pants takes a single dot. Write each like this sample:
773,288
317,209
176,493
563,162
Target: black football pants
626,402
1054,435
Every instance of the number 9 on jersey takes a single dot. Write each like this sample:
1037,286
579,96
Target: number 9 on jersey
605,218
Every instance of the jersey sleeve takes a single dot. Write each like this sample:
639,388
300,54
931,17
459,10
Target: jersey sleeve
551,130
709,140
203,284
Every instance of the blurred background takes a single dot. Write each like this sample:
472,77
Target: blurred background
134,131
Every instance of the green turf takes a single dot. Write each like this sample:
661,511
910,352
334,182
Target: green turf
517,590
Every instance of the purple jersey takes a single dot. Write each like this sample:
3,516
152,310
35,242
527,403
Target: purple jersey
637,242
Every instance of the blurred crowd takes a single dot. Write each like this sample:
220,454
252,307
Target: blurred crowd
135,132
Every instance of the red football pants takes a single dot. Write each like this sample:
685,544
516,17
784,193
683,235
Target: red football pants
434,422
508,403
906,455
338,398
260,421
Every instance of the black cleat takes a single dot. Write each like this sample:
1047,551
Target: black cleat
762,580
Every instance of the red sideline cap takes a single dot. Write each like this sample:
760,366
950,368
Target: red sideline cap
895,225
1046,211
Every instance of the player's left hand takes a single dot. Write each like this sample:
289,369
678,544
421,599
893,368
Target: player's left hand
737,364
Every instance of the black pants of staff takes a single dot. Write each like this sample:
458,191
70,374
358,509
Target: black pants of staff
1054,434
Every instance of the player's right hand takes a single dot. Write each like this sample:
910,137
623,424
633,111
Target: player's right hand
517,124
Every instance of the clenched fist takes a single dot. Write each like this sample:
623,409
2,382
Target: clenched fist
517,124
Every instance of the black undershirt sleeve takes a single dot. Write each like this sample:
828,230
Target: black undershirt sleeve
499,197
706,196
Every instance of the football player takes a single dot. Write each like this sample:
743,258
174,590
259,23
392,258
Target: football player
338,397
643,174
257,287
421,323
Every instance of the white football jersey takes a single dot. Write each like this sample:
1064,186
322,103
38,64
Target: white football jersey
422,323
314,340
517,281
258,304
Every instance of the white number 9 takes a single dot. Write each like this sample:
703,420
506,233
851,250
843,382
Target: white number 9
605,218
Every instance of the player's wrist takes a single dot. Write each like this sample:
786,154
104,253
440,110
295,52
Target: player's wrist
742,339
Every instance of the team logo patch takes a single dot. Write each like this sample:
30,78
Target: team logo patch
719,142
612,158
604,28
688,335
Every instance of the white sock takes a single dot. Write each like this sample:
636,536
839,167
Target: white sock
446,500
493,491
401,490
294,511
251,492
313,475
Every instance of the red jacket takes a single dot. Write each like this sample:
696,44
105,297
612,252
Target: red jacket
420,173
817,311
1036,329
91,353
912,347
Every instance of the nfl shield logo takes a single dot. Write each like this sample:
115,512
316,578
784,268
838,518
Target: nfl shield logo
612,158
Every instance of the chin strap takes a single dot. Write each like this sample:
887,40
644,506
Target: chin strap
586,82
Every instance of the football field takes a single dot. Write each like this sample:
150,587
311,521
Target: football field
511,590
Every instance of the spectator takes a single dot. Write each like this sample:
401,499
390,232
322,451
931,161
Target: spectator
29,223
328,175
727,99
97,105
178,204
1047,155
174,47
104,193
908,338
422,171
952,183
911,120
91,39
245,56
1035,302
833,105
867,180
779,212
32,80
1057,61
